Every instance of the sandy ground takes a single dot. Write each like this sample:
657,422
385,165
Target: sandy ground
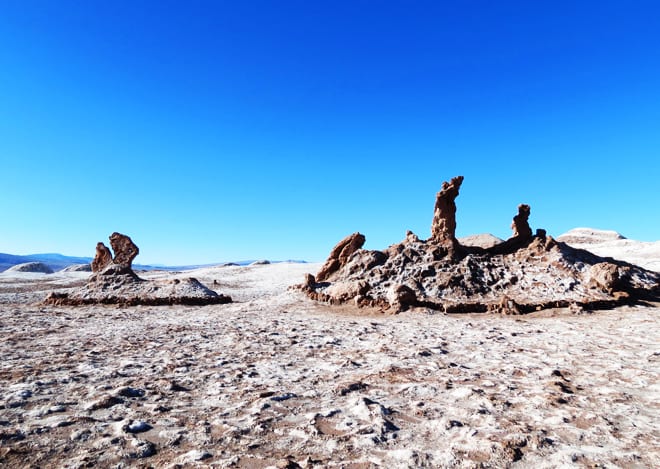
275,380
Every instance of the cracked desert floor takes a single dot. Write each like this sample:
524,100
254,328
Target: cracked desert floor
276,380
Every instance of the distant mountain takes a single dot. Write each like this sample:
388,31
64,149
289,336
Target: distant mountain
58,262
611,244
589,236
54,261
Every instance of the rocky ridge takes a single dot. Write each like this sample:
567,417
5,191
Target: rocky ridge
607,243
114,282
527,272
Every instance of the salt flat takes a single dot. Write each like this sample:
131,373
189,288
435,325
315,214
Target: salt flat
276,380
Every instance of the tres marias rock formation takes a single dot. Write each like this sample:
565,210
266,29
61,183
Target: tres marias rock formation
113,281
526,273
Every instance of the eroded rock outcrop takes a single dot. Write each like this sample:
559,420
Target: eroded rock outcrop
124,248
520,224
114,282
443,227
340,255
102,259
526,273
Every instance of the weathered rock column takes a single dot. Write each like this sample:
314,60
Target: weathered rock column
124,248
102,259
520,225
443,228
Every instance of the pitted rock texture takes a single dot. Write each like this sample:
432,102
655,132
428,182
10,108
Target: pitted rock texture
102,259
340,255
525,273
124,248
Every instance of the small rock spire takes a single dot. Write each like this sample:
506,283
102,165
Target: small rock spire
443,228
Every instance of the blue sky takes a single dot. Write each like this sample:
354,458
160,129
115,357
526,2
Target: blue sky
212,131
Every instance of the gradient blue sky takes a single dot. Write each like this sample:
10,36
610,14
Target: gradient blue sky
212,131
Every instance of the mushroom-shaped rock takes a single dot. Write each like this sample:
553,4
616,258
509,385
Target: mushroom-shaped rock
340,255
443,228
102,259
124,248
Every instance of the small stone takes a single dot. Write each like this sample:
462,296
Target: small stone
130,392
283,397
80,435
196,455
104,402
138,427
143,449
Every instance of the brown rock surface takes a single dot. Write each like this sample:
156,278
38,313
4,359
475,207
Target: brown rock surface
340,255
520,225
102,259
443,227
124,248
523,274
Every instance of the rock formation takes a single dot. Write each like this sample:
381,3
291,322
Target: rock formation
124,248
520,225
102,259
340,255
114,282
443,227
523,274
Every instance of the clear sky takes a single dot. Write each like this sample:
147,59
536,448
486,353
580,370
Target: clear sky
224,130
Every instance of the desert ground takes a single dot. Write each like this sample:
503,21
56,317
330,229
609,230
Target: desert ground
277,380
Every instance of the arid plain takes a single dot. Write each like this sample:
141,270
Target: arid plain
275,379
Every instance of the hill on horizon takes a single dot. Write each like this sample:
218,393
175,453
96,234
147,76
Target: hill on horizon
58,262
